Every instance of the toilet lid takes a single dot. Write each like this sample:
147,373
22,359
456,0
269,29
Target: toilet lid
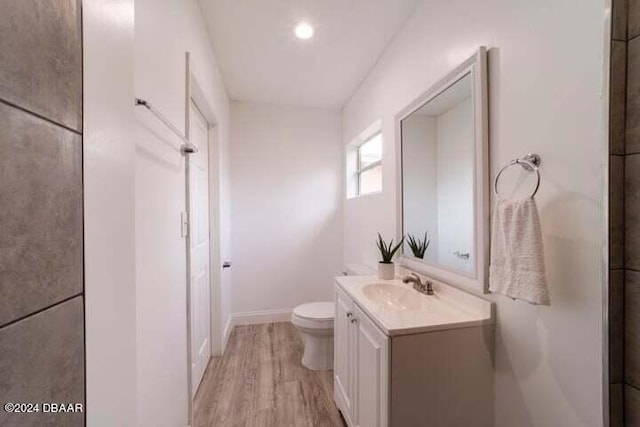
315,310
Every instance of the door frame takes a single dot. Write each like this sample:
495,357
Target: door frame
194,94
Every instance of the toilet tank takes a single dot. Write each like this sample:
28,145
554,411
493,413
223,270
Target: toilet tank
358,270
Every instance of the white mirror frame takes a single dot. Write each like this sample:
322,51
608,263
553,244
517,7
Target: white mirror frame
478,282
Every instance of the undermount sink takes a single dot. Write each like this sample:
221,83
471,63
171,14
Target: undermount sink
392,296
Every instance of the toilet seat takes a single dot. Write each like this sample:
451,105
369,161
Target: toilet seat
314,315
315,310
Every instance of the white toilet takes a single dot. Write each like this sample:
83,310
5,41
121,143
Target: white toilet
315,323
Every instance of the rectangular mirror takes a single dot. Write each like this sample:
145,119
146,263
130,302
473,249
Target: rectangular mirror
443,178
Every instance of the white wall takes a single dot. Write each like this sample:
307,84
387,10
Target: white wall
286,187
109,150
546,73
165,30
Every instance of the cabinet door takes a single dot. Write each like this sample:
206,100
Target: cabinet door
372,366
343,350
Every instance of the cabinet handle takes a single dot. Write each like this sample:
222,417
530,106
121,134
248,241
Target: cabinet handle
354,320
349,314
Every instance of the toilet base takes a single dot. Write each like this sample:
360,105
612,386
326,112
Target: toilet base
318,350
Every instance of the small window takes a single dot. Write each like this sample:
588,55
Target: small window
369,168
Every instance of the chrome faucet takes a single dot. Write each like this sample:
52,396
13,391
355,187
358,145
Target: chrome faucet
424,288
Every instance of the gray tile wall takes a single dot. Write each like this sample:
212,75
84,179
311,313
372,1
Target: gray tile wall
624,210
616,396
42,58
617,139
632,406
46,353
633,98
616,326
618,97
632,329
619,20
41,199
633,20
40,213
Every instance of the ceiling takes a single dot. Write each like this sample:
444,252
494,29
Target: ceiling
261,60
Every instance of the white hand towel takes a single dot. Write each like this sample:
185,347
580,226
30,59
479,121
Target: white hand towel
517,256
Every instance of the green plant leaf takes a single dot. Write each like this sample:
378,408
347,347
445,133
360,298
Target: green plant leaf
386,251
395,249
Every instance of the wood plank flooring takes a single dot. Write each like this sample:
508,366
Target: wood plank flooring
260,382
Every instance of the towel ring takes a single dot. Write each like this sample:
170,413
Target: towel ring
530,162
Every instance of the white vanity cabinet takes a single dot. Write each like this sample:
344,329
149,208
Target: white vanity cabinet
420,374
361,365
343,360
371,371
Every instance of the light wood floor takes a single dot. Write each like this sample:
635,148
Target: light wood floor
260,382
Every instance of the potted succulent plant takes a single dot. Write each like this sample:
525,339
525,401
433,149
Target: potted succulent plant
418,246
386,267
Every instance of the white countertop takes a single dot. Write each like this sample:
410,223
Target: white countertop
449,308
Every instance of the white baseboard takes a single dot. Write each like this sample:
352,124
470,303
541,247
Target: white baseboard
260,317
253,318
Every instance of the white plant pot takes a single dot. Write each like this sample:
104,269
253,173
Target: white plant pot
386,271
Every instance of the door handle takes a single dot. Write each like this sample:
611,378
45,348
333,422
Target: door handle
349,314
354,320
226,264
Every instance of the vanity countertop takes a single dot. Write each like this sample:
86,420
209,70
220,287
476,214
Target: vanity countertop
398,309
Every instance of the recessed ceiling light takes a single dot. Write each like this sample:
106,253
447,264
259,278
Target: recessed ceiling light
304,31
